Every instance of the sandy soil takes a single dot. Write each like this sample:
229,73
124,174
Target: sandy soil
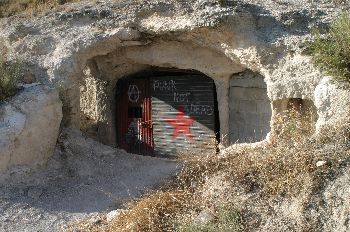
83,179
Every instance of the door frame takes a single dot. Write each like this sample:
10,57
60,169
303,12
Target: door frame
134,134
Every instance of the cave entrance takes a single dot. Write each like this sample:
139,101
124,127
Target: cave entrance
167,113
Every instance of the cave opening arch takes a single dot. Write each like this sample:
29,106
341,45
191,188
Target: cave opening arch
165,112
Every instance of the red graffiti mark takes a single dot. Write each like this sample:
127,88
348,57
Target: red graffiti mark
181,124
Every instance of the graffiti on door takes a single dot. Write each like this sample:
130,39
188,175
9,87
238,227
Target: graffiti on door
181,124
133,93
183,110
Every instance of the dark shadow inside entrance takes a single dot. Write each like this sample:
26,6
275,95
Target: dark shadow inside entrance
166,113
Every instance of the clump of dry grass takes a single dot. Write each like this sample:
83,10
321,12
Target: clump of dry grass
293,126
155,212
228,218
13,7
289,163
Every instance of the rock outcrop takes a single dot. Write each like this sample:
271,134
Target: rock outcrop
96,43
29,127
113,39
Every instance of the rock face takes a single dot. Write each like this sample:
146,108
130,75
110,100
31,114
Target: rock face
107,40
336,204
29,126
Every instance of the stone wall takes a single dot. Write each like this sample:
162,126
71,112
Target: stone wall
88,94
250,108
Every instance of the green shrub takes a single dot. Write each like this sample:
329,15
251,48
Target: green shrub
332,52
228,219
10,75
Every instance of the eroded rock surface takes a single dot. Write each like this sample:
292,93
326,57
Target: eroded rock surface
109,40
114,39
83,180
29,127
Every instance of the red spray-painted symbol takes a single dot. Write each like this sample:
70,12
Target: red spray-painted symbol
181,124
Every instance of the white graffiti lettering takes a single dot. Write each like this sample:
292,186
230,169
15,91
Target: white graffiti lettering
200,109
164,85
181,97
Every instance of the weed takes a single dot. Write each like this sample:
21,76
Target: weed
10,75
228,218
332,51
13,7
292,126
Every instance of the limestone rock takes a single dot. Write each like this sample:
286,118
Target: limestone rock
217,38
94,220
29,127
320,163
113,214
336,198
204,217
332,102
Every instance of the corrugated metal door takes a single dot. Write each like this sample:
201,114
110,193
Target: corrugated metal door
183,113
134,117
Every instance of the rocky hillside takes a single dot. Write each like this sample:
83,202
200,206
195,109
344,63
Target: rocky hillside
297,179
296,184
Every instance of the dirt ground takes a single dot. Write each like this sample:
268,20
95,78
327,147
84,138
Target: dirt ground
84,179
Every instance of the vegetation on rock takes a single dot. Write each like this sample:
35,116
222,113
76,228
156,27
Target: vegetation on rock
331,52
13,7
10,75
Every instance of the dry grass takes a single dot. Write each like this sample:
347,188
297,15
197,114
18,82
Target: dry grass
228,218
156,212
13,7
281,169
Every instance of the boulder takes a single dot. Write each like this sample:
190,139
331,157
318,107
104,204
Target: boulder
29,127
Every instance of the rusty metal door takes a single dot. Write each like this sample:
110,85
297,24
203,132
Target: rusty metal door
134,116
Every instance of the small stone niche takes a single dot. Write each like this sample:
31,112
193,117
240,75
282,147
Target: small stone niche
292,109
305,107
